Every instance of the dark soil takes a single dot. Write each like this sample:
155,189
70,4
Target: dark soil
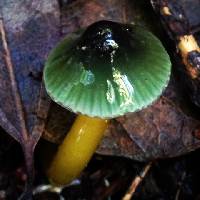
104,178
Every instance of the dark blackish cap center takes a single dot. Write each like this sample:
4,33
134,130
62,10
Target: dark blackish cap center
104,37
106,44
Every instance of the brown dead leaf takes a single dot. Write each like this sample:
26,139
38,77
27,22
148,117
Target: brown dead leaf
28,30
162,130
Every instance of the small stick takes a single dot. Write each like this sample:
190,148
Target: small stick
180,186
137,180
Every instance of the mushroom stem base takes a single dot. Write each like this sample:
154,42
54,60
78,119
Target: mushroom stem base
77,149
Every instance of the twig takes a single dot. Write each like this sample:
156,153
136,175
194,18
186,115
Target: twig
180,184
137,180
187,45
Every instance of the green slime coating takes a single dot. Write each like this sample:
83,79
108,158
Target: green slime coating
107,70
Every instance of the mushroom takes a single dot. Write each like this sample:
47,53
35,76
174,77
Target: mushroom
103,72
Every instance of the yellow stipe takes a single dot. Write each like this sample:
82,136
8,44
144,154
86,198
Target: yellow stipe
77,149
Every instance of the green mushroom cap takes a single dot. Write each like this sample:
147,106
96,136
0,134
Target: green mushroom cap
107,70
